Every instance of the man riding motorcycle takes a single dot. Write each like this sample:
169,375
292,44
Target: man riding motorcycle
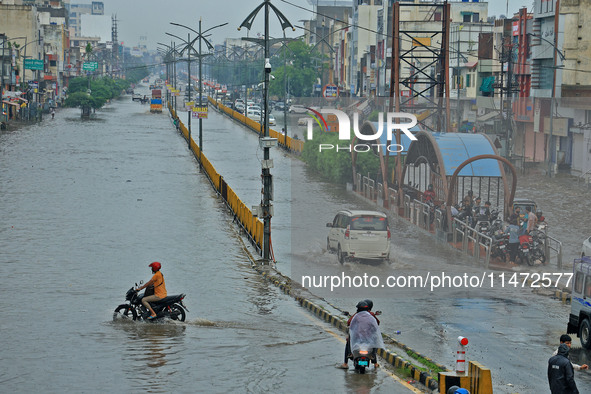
362,329
159,288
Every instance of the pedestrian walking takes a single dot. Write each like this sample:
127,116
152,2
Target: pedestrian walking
561,377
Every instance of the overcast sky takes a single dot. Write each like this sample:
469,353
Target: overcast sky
151,17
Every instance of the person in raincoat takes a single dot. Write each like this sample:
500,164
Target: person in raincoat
364,332
561,375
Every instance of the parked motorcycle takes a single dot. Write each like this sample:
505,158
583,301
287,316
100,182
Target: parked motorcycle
483,225
498,249
524,250
171,307
538,239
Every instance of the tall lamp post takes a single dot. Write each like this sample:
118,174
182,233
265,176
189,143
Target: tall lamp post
171,69
200,55
187,47
266,142
551,145
3,38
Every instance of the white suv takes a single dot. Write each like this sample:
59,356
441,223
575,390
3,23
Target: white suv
360,235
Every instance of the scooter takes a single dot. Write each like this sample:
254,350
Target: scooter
365,338
171,307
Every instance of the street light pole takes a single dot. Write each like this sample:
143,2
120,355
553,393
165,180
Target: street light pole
188,47
3,38
200,96
200,55
266,173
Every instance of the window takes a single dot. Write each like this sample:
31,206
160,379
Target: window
579,282
467,18
367,222
588,286
468,80
476,17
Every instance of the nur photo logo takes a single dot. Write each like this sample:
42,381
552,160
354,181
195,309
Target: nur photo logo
394,121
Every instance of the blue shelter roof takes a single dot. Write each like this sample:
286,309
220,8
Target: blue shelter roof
456,148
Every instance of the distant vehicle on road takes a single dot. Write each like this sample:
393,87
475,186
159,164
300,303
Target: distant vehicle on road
272,121
359,235
297,109
254,115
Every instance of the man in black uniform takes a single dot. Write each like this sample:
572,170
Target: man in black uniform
561,376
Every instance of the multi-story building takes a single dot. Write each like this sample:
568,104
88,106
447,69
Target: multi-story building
20,25
77,10
574,87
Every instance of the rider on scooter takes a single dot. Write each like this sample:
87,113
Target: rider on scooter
362,306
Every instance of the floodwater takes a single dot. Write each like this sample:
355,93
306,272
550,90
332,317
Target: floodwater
511,330
86,206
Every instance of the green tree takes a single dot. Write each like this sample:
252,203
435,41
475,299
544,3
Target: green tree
84,101
301,70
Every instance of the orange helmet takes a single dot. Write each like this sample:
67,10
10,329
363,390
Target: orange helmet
155,266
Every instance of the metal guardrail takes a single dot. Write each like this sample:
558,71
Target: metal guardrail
555,245
466,234
380,189
471,241
422,214
393,196
407,206
586,178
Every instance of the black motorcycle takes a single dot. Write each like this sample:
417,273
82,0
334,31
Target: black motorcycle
500,241
171,307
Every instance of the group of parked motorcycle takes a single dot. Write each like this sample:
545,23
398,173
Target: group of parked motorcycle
531,248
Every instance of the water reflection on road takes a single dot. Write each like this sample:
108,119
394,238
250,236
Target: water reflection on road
86,206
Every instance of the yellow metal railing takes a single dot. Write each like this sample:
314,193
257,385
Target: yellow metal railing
251,224
285,141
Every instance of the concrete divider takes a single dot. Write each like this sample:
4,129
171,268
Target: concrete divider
478,380
252,226
284,141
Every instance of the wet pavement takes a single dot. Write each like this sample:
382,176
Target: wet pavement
87,205
511,330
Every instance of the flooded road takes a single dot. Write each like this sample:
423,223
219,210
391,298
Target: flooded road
86,206
511,330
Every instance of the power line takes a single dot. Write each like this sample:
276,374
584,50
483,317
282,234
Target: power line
410,41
